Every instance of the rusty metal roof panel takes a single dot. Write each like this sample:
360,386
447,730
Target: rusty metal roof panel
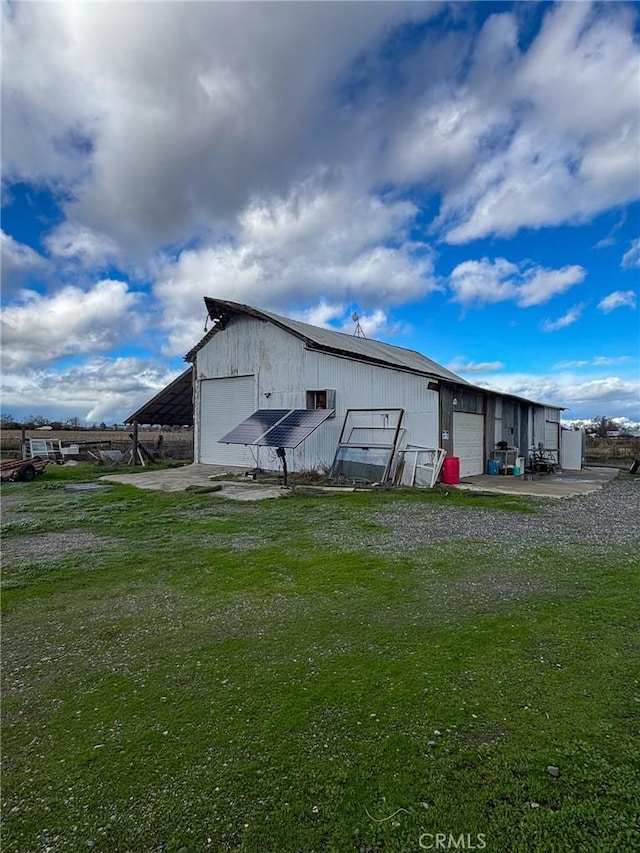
328,340
173,406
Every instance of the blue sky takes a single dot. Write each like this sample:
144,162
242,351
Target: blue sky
464,175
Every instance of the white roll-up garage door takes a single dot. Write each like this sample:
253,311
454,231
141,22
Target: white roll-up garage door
468,443
224,403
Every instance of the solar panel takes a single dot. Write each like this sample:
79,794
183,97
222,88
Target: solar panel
298,425
249,431
277,427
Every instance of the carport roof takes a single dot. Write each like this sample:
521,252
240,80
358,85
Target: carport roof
173,406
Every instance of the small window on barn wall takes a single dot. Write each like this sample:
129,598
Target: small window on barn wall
323,399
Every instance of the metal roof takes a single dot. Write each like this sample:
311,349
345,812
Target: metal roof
173,406
328,340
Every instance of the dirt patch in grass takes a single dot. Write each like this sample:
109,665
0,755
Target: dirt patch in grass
53,544
12,509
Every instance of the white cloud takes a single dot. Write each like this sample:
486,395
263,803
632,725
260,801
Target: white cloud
622,423
561,156
565,365
194,114
320,315
18,261
612,390
618,299
191,114
571,316
463,365
541,285
40,329
96,389
316,246
77,242
625,423
597,361
582,396
607,361
485,281
631,258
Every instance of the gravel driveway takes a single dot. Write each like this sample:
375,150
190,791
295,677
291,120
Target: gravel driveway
608,516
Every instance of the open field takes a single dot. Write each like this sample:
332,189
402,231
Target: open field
348,673
618,452
177,445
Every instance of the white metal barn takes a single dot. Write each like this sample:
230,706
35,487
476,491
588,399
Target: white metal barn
252,359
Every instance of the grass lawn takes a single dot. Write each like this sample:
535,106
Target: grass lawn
181,673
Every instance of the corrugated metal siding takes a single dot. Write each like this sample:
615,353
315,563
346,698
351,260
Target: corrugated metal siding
530,427
361,386
285,370
538,426
493,423
552,415
522,435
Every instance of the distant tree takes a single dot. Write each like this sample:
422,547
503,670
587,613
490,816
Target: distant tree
74,422
35,421
602,425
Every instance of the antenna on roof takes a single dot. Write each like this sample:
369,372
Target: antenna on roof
358,332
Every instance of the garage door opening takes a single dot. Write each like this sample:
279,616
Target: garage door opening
224,403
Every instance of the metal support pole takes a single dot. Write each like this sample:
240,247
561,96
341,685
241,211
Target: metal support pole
282,455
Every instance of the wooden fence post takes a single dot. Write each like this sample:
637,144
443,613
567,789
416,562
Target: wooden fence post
134,455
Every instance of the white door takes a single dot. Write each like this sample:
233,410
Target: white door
571,442
468,443
224,403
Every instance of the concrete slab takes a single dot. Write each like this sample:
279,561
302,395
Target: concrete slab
249,492
563,484
174,479
180,479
